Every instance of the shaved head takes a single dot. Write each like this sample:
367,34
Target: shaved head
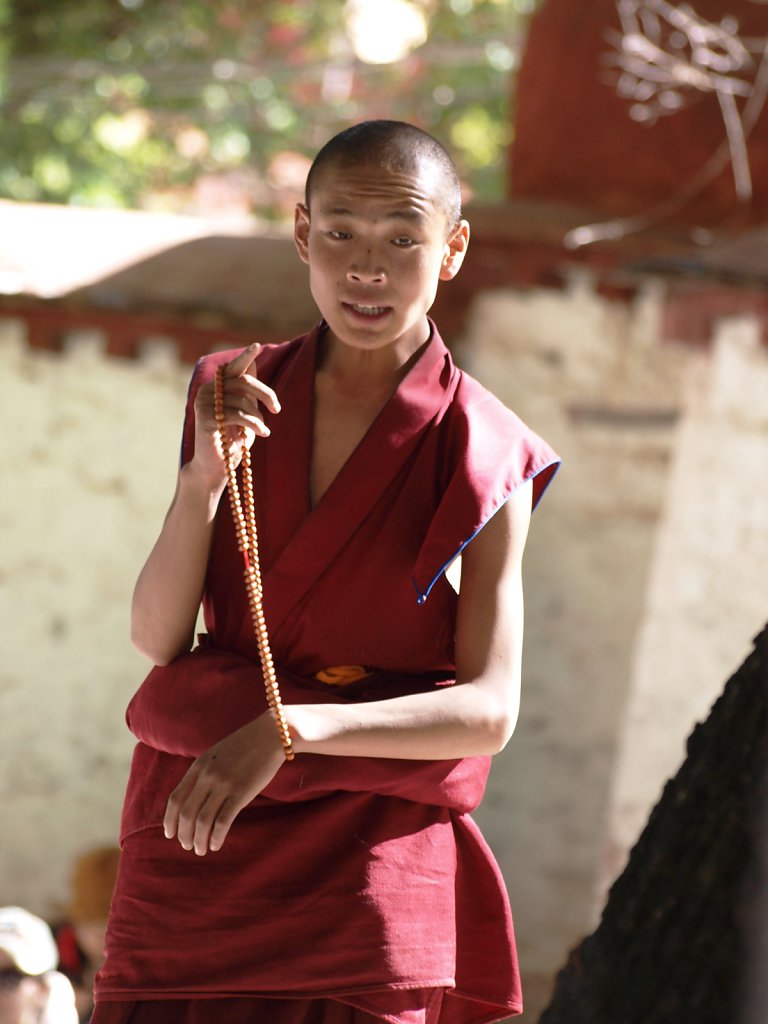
391,146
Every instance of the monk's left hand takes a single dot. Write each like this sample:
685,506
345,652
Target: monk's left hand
220,783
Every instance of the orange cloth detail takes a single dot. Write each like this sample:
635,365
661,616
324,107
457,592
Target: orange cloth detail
341,675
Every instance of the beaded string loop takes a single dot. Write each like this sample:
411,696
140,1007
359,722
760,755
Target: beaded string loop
247,542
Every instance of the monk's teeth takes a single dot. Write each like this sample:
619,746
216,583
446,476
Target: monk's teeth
369,310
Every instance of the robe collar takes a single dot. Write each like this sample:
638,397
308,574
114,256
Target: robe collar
306,540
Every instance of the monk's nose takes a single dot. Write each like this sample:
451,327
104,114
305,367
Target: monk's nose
365,269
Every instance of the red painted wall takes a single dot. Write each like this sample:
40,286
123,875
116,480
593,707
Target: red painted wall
576,143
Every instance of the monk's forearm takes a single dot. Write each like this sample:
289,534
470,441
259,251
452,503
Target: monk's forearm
167,596
458,721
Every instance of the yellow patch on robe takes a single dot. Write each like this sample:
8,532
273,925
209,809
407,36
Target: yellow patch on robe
341,675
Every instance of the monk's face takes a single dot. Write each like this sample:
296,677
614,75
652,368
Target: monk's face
377,242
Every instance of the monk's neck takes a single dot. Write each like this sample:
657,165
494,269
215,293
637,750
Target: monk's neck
351,369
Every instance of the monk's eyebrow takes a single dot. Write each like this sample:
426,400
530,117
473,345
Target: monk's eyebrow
416,216
408,214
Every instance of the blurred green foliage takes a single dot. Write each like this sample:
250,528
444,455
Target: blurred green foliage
130,102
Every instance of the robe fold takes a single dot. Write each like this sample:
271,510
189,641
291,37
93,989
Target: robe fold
351,878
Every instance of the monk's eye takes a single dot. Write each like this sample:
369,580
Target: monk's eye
403,242
339,235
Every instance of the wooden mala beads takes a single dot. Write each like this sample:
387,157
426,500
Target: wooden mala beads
247,542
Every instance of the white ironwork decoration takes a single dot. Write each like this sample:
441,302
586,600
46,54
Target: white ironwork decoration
667,57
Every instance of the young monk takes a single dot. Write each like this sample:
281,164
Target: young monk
348,885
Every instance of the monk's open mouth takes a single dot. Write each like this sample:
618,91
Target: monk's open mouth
369,312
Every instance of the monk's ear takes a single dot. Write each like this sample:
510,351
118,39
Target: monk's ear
301,231
455,251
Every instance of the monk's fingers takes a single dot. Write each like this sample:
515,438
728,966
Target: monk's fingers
200,804
243,407
244,401
201,825
215,815
250,394
242,363
236,420
266,396
195,818
223,781
178,800
226,814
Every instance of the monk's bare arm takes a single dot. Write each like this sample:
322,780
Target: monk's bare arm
476,716
169,588
167,596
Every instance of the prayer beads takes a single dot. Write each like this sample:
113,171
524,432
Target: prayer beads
247,543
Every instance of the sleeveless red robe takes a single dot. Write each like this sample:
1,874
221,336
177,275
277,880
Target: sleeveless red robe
357,879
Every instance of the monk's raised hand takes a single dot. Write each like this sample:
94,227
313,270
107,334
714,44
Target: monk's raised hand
245,398
219,783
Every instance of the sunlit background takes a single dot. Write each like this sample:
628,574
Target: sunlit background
204,108
614,295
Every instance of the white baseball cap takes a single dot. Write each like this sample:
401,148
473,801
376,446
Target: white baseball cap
27,940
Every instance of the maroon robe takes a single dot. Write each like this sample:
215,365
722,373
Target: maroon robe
359,879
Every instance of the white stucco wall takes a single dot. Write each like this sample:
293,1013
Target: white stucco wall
87,463
707,595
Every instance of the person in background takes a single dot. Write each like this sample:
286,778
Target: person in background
80,937
32,991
